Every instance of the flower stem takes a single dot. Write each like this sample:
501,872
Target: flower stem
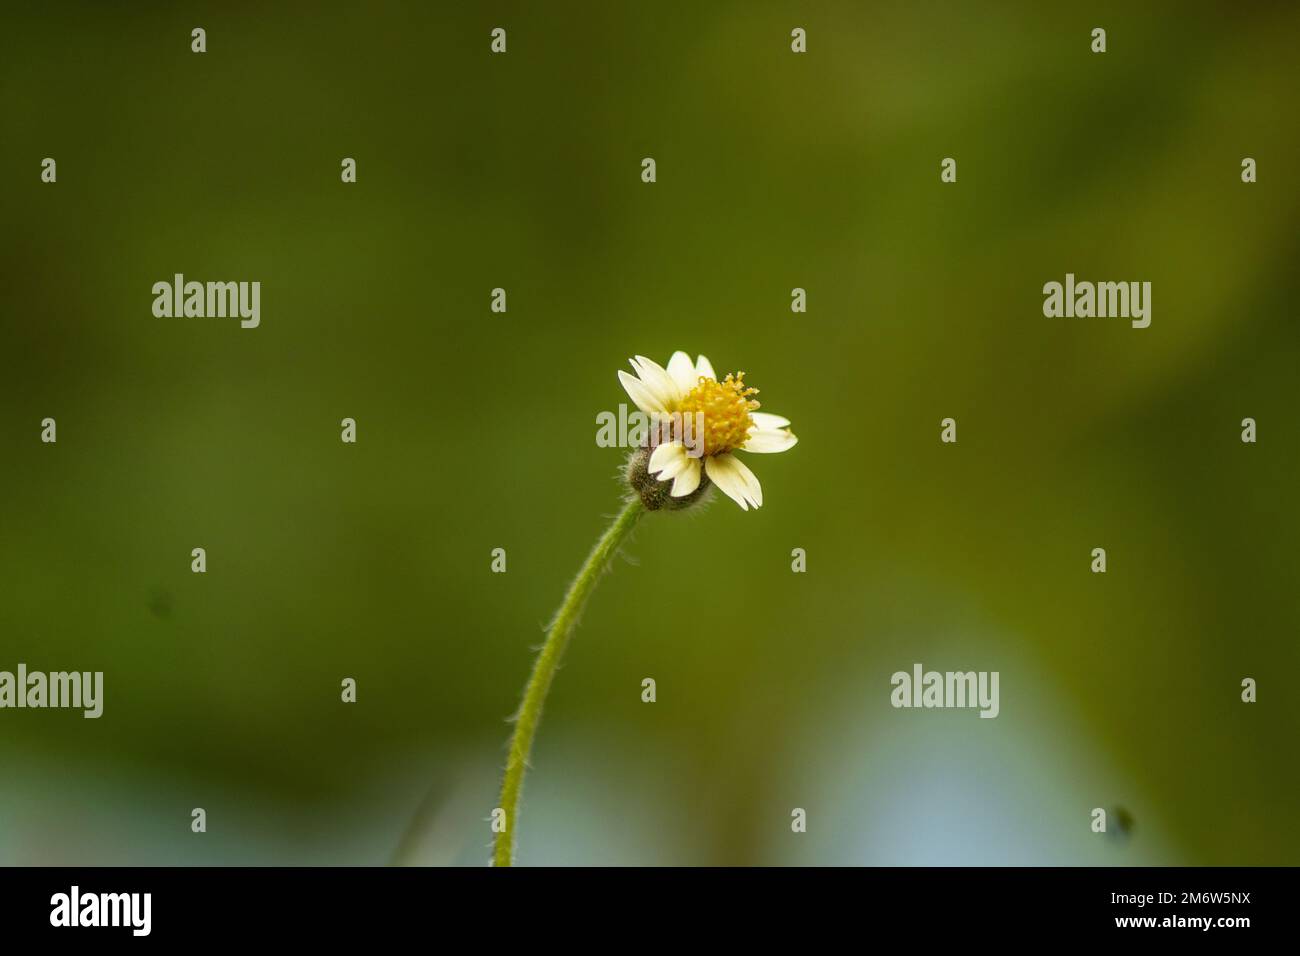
548,660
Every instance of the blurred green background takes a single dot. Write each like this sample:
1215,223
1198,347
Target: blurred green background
477,430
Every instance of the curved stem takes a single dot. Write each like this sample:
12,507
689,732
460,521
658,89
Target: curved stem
548,660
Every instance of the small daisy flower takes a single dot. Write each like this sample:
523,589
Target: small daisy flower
697,425
689,455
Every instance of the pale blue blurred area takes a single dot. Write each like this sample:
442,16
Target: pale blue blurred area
593,800
945,787
592,806
97,813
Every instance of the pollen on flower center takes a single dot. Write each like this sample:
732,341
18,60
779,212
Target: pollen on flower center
725,407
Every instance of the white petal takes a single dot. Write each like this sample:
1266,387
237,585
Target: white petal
688,480
641,396
682,369
677,467
751,480
657,379
736,480
704,367
769,440
765,421
668,460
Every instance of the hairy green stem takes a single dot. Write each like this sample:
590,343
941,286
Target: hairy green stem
548,660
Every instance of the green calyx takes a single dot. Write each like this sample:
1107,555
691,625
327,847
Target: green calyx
656,495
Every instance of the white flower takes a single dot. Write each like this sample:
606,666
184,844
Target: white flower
712,419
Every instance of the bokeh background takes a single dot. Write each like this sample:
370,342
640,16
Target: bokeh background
477,430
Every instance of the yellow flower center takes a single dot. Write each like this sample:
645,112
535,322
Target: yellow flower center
725,407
